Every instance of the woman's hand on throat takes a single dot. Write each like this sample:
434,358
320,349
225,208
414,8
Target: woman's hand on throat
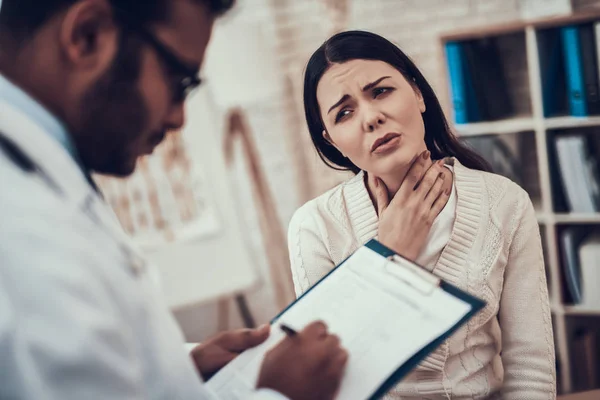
405,220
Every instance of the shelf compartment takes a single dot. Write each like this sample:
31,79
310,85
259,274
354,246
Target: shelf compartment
488,80
583,334
514,156
582,180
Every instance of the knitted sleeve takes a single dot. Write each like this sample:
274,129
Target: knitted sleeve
527,338
309,257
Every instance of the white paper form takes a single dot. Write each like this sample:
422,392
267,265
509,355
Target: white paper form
381,320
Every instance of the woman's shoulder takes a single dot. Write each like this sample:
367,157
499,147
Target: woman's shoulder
327,209
501,192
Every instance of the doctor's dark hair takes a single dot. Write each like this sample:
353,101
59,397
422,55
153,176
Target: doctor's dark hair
360,45
20,19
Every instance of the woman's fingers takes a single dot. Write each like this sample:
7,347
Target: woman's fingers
439,203
380,192
410,213
435,191
429,180
413,177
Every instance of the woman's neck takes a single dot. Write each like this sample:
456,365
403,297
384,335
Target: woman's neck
394,181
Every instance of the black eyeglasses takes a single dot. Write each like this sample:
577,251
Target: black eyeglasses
185,78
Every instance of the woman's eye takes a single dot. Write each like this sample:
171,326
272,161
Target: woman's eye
381,90
342,114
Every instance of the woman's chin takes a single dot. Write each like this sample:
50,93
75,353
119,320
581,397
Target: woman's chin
395,165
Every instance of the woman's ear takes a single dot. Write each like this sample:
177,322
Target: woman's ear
420,99
418,95
329,140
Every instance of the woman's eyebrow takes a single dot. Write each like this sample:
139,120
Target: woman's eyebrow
368,86
340,101
375,83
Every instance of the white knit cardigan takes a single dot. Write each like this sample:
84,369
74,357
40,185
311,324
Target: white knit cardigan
494,253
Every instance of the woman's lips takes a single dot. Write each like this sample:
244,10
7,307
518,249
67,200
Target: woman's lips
388,142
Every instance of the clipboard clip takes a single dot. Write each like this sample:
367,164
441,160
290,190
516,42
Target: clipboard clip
411,274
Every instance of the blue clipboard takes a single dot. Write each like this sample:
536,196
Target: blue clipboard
403,370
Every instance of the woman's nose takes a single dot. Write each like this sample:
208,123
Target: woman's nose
373,119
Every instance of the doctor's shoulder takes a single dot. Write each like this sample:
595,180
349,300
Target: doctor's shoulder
25,195
37,219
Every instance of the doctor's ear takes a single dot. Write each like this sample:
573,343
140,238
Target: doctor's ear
89,36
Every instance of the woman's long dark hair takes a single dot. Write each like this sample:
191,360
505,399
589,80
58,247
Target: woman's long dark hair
360,45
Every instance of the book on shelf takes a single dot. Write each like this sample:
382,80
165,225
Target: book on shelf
559,195
585,359
596,26
589,254
570,70
570,240
456,72
477,81
574,68
559,362
552,73
589,59
484,70
580,250
578,172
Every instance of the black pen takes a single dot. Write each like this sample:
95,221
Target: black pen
288,331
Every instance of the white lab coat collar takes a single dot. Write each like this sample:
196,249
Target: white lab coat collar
65,176
54,161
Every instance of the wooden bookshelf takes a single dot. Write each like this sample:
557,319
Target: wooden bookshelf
568,122
574,310
531,121
519,26
513,125
572,218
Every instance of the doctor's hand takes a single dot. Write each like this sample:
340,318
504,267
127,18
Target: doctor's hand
215,353
307,366
406,219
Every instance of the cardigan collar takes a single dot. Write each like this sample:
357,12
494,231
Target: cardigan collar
364,219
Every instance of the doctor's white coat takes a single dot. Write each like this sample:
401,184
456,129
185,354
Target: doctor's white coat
81,317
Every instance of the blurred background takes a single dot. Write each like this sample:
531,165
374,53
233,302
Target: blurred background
518,80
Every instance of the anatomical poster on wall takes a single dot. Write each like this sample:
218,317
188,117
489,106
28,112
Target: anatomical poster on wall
165,200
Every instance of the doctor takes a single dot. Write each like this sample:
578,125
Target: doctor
91,85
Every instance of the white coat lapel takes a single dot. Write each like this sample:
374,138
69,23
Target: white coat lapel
65,177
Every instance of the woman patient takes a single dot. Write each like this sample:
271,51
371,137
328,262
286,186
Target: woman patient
419,191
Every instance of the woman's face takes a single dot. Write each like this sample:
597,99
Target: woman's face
372,115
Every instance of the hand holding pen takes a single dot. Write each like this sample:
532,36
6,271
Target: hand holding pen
306,365
288,331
